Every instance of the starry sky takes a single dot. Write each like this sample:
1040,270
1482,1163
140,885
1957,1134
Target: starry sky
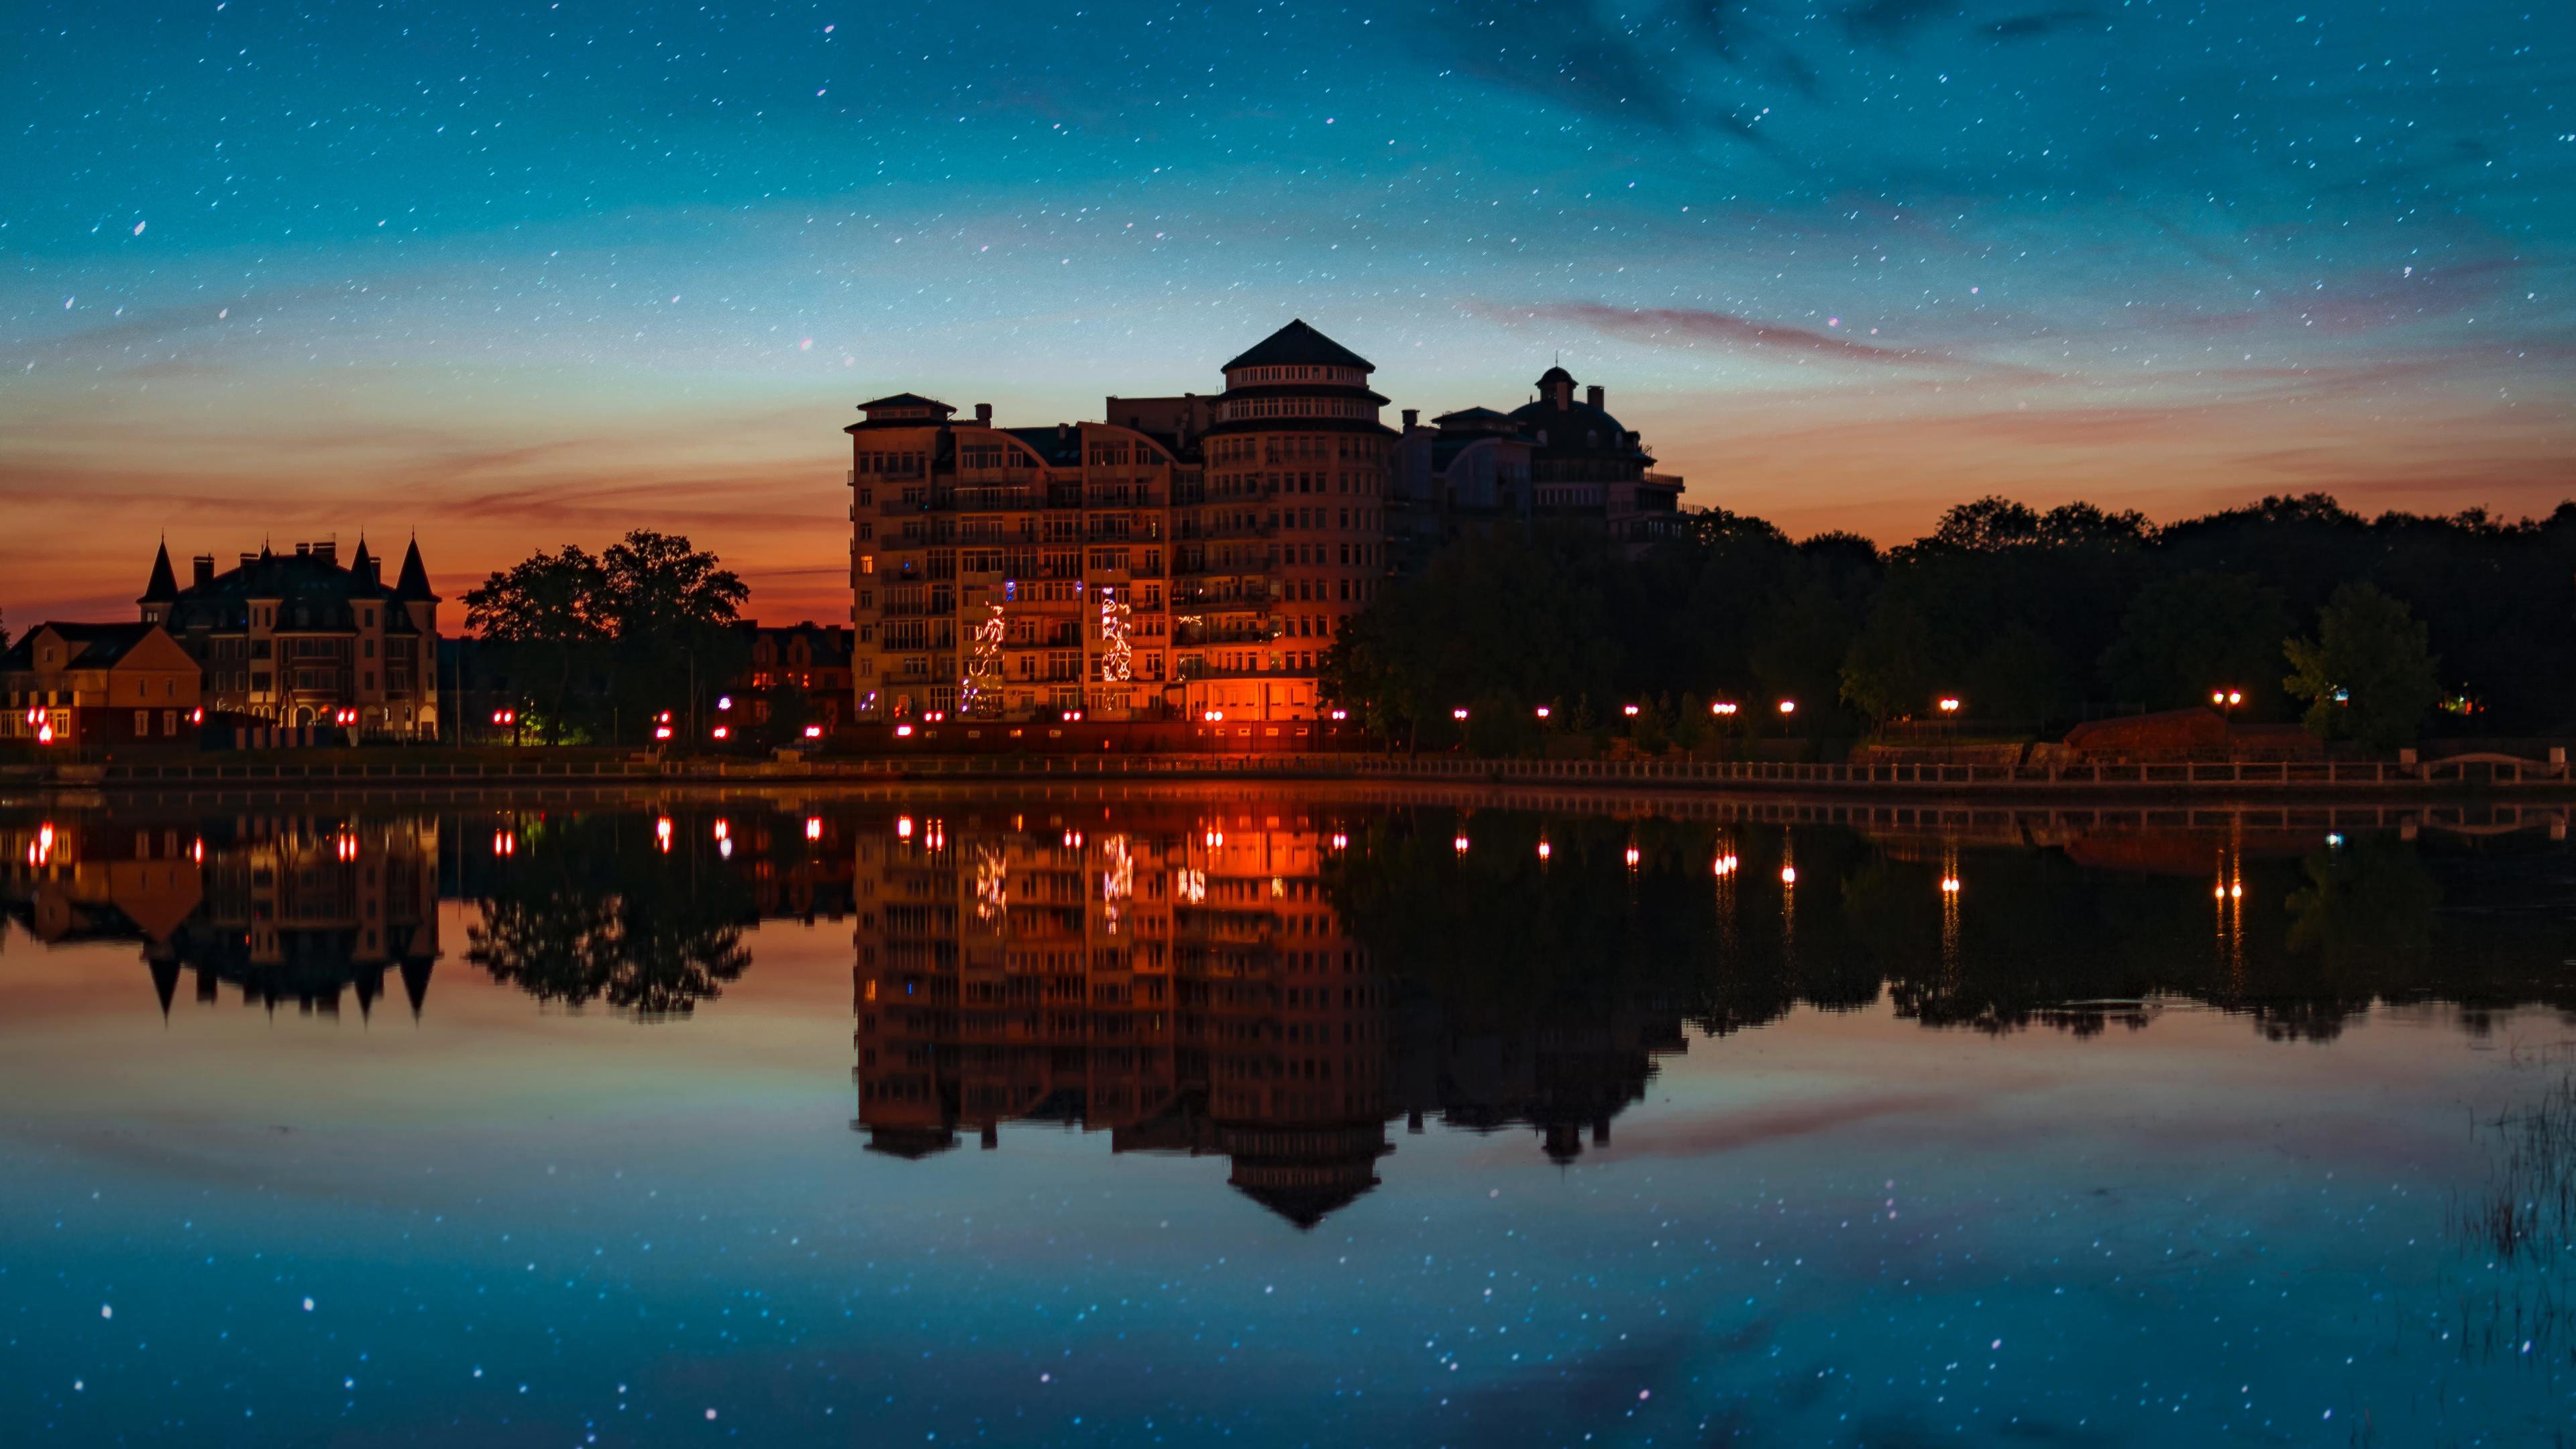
513,275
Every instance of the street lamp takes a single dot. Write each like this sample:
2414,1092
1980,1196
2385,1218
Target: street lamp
1543,711
1723,707
1949,704
1629,710
1458,714
1788,706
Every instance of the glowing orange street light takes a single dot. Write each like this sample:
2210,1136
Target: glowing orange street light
813,732
1629,710
1543,711
1723,707
1543,850
1949,704
813,827
1788,706
1633,857
1458,714
1788,875
1461,844
1949,885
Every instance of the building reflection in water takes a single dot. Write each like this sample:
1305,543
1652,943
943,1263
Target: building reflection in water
1185,981
1178,980
307,909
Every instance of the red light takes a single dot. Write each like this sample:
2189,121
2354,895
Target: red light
902,732
813,827
722,733
813,732
661,732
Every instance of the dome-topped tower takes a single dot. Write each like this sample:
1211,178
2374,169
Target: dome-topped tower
1291,538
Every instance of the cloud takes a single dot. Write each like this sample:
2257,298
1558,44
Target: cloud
1886,22
2039,23
1694,326
1561,51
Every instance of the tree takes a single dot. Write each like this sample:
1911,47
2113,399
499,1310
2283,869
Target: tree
672,610
2188,635
2369,674
547,610
605,642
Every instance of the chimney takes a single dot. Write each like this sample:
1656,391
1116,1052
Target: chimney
983,415
1412,418
1594,394
201,570
1063,434
328,550
303,550
248,558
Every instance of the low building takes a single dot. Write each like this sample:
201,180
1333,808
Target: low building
302,639
811,659
1555,458
100,686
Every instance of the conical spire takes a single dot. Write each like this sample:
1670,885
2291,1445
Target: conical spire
165,983
415,979
164,586
414,581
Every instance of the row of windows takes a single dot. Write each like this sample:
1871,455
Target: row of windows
1299,407
1347,376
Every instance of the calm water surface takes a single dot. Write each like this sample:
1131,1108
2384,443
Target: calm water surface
1276,1122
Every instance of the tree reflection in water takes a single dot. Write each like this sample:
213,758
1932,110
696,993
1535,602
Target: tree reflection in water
594,909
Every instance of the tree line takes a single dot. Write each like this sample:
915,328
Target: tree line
2364,629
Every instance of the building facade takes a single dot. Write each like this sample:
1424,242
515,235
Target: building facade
99,685
806,663
1187,557
1556,458
303,639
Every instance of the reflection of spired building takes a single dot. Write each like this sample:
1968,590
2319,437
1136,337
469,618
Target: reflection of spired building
1177,979
287,909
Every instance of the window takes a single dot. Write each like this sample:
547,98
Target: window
142,723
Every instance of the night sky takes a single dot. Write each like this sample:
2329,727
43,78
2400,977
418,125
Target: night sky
516,275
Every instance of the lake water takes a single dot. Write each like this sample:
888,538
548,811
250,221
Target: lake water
1276,1121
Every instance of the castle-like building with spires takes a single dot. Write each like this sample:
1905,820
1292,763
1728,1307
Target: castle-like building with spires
1190,557
303,639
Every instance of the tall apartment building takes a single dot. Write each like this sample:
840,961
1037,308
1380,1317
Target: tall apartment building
1187,557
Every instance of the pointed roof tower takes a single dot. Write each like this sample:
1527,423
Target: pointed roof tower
415,980
414,581
1298,344
165,983
362,563
164,587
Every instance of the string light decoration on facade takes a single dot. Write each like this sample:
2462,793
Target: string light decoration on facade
1117,880
983,666
992,882
1116,660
